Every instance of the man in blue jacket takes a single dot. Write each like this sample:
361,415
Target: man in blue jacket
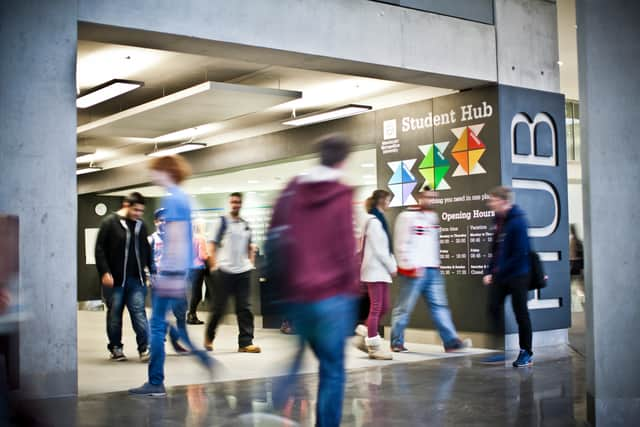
509,270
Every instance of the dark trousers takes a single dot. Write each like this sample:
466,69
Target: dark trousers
236,285
518,288
196,277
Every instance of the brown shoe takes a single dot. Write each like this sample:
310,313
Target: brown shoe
251,348
208,345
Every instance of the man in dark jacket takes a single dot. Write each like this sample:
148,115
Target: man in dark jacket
122,253
322,270
509,271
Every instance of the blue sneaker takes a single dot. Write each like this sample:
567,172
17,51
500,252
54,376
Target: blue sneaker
524,359
496,359
149,390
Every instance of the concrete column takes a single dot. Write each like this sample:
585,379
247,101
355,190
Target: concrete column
527,44
38,183
608,52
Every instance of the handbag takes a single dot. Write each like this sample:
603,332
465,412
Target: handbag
537,278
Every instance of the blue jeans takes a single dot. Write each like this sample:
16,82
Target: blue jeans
159,308
132,295
324,325
432,288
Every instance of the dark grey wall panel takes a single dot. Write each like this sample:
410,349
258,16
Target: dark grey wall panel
422,124
472,10
538,121
88,280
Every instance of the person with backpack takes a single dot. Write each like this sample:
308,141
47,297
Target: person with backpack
311,247
509,272
376,271
231,254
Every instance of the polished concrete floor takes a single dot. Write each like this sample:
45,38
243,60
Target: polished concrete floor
439,392
97,374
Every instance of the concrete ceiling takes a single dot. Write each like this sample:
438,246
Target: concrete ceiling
359,171
165,73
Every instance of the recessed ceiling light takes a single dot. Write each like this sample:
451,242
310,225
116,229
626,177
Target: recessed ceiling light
325,116
253,181
368,176
368,165
108,90
182,148
560,63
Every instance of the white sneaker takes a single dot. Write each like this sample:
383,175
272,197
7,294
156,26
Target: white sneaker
361,333
145,355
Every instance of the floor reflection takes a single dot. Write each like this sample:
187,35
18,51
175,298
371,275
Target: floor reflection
443,392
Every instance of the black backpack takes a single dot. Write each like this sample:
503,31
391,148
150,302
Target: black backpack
538,280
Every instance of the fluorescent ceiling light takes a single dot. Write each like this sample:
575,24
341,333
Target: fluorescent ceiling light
253,181
90,169
188,133
190,146
85,158
368,165
325,116
105,91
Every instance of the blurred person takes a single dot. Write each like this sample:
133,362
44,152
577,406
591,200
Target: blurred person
576,252
231,253
576,265
320,282
417,245
169,287
376,271
156,243
508,272
122,253
198,272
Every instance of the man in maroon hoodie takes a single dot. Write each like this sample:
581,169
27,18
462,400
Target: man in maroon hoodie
322,269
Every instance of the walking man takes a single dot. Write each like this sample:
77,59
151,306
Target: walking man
122,254
170,285
509,272
417,245
321,278
230,252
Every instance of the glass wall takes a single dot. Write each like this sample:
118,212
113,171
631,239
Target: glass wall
572,113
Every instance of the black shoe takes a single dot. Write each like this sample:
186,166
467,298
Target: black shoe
192,319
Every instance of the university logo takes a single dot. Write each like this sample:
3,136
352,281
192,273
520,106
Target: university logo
390,129
402,183
468,150
435,166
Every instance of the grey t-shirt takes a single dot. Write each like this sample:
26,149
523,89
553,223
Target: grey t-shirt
232,251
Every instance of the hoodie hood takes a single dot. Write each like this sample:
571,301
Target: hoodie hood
514,212
321,186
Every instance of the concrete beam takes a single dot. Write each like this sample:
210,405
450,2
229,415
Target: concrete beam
527,44
355,37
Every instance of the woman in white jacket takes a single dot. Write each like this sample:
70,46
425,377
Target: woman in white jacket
378,267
